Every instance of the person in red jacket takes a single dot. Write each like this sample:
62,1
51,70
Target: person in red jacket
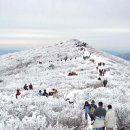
17,93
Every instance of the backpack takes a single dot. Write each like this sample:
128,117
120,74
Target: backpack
92,110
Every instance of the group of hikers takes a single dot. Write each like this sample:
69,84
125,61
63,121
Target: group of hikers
102,72
25,87
100,118
53,92
100,68
29,87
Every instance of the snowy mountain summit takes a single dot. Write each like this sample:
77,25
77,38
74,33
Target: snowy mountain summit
77,71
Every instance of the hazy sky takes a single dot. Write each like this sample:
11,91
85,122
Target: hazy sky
104,24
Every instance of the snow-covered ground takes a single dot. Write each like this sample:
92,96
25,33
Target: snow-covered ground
46,68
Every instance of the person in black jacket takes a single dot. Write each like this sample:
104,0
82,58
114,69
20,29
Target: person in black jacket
30,86
45,93
25,87
104,83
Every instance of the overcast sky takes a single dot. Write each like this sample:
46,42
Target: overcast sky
104,24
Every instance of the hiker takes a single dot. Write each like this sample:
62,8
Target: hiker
55,93
65,58
72,74
99,115
71,101
45,93
100,72
104,71
93,107
30,86
92,60
87,109
99,64
25,87
103,64
104,83
110,118
40,93
17,93
99,78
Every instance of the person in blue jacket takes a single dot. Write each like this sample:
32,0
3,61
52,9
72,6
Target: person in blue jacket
87,109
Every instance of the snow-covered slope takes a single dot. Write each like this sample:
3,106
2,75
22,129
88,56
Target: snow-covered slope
46,68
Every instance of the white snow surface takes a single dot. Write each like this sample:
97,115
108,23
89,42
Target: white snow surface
33,112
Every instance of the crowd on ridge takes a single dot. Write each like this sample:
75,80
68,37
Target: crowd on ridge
100,118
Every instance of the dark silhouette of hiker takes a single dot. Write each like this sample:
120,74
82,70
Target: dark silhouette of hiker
40,93
100,72
45,93
122,129
104,83
99,64
30,86
72,74
71,102
99,78
104,71
25,87
65,58
103,64
17,93
92,60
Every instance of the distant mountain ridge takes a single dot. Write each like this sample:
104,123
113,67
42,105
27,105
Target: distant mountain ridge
112,52
125,56
6,51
